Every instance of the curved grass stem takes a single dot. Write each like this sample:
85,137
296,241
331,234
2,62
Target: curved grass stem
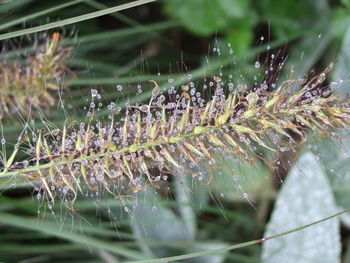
240,245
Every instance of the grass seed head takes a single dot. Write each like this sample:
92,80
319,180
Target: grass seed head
29,84
151,142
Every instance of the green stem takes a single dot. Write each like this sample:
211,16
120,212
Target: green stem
236,246
112,149
38,14
131,148
74,20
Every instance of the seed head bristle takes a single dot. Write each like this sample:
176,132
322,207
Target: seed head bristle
29,85
164,137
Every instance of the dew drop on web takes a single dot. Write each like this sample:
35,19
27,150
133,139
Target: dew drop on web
155,91
144,108
94,93
119,87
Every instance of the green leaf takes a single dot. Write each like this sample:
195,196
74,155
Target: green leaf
335,159
340,22
184,194
290,17
346,3
306,196
340,179
341,71
152,220
205,17
241,35
234,8
284,16
315,39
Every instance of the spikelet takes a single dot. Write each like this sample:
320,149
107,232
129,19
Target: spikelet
29,86
158,139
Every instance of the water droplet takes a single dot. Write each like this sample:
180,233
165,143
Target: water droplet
161,98
321,77
94,93
230,86
155,91
252,97
144,108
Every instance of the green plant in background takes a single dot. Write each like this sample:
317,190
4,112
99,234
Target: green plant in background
235,19
188,216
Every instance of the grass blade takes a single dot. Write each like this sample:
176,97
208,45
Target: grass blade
74,20
52,230
38,14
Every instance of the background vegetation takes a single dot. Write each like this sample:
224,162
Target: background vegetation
168,39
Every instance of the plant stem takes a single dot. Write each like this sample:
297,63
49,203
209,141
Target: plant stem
236,246
74,20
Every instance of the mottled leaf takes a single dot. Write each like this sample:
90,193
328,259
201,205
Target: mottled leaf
306,196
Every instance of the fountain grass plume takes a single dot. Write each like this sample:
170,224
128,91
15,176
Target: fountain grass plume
178,134
30,84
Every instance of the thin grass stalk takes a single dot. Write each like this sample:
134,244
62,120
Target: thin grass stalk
74,20
240,245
